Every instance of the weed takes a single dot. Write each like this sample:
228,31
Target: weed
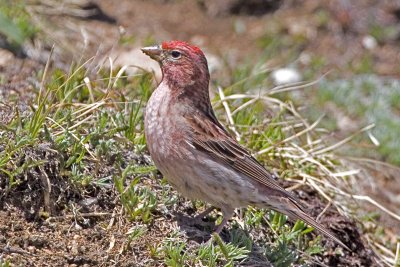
5,263
173,249
138,201
15,23
135,233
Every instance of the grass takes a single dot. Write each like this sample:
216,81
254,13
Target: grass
367,99
5,263
74,119
15,23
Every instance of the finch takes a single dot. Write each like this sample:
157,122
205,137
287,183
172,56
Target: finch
195,153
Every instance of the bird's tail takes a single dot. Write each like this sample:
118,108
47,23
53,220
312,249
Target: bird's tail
296,212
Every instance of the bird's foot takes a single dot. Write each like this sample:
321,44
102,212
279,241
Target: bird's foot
198,219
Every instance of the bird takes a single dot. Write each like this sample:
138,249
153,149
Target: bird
196,154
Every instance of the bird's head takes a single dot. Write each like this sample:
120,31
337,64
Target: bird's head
182,65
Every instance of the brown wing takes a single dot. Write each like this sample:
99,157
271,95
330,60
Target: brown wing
212,138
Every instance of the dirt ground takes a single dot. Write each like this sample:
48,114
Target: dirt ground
90,229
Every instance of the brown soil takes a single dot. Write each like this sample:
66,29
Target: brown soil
91,230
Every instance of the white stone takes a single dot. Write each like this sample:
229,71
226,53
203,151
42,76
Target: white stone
369,42
285,76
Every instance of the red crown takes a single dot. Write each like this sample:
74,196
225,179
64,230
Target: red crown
177,44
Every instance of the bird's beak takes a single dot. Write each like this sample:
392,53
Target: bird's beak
154,52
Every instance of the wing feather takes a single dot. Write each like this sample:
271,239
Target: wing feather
210,137
216,142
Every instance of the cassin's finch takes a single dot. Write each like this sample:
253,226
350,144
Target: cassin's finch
194,151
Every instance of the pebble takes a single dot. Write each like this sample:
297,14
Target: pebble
6,57
285,76
369,42
31,249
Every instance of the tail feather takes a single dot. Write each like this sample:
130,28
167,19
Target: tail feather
297,213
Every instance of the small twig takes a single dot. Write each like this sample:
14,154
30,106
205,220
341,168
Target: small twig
295,86
375,203
112,244
110,77
112,221
358,197
291,137
383,248
46,69
9,250
76,137
294,187
228,113
342,142
86,80
83,215
315,186
46,190
119,75
89,108
397,257
323,211
248,103
297,185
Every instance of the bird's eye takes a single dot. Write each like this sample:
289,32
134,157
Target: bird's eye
176,54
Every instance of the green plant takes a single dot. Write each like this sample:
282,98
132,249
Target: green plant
15,23
5,263
138,201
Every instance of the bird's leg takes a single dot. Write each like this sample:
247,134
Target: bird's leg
198,219
203,214
228,214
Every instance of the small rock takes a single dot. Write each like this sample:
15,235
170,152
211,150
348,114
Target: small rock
6,57
77,227
369,42
74,248
18,227
37,241
89,201
285,76
305,58
31,249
